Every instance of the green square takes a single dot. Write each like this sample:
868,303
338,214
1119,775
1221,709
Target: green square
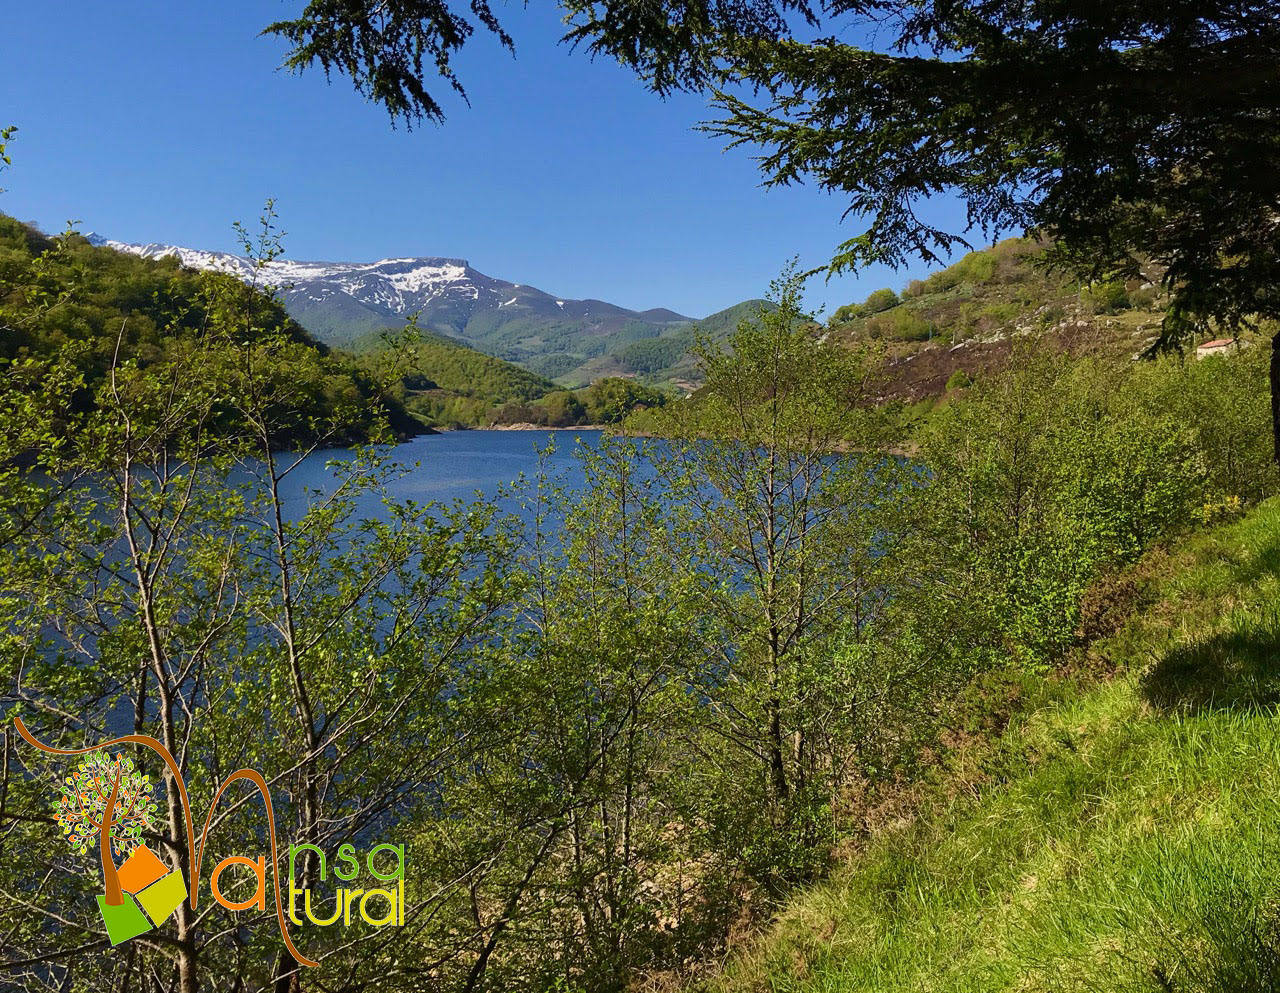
163,897
123,922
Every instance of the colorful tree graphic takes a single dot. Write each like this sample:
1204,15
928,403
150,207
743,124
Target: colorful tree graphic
109,801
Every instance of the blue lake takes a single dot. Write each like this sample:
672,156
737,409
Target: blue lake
454,465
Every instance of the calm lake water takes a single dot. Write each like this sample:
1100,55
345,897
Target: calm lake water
453,465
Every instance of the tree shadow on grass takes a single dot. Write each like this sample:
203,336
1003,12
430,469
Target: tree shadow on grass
1233,948
1235,669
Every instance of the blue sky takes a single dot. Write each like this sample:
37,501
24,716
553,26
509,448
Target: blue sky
163,121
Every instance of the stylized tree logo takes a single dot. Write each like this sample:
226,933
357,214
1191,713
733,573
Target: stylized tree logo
108,801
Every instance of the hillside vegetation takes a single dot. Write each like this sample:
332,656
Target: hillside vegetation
696,685
89,309
447,383
963,318
1118,836
663,360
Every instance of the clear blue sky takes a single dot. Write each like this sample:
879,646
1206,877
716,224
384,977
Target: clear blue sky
164,121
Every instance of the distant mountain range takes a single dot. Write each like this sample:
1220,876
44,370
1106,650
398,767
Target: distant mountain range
341,302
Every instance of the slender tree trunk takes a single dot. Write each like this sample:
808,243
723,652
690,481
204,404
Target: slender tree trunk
184,919
1275,395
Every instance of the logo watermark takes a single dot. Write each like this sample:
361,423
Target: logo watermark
106,803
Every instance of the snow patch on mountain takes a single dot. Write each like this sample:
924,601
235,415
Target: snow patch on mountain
399,285
338,300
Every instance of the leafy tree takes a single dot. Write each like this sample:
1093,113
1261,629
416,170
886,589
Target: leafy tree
794,519
106,802
878,301
564,409
610,400
565,823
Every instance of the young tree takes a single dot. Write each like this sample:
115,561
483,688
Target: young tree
562,828
793,515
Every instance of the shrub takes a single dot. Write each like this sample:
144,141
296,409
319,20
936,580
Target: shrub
908,326
845,314
977,267
878,302
1104,298
1051,474
1143,298
563,409
610,400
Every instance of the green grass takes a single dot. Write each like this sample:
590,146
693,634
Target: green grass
1122,834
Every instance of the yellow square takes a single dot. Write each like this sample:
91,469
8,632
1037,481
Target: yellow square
162,897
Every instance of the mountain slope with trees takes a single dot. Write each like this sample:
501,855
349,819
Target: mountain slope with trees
619,728
1137,133
94,310
667,360
341,301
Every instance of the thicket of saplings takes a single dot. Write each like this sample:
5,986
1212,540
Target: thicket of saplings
610,725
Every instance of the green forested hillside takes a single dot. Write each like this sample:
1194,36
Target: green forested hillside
752,672
91,309
665,359
447,383
94,307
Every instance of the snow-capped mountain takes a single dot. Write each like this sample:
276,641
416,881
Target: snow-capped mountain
339,301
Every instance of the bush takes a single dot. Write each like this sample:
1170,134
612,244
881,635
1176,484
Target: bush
879,301
908,326
959,380
976,267
1226,407
1143,298
1053,473
563,409
843,315
1104,298
609,401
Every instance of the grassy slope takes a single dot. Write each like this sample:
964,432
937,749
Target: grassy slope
962,317
1121,834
